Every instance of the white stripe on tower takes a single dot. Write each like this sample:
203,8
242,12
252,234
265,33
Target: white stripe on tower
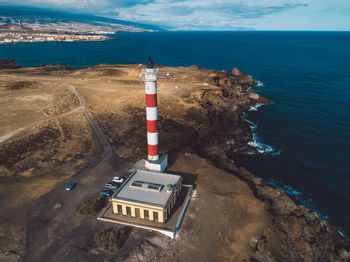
152,138
150,76
152,113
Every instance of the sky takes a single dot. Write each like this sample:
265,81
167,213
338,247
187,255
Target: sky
320,15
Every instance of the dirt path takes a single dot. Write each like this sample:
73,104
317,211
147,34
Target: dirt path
106,146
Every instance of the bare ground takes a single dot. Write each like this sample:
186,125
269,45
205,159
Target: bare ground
224,219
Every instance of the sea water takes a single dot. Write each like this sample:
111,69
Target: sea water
303,136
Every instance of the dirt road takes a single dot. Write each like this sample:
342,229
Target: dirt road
54,213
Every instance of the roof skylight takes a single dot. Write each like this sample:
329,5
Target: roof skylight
147,186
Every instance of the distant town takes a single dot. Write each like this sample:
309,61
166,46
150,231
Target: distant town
11,33
18,37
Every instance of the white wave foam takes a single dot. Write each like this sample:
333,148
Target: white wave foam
255,107
288,189
253,126
341,232
255,142
254,89
261,147
260,83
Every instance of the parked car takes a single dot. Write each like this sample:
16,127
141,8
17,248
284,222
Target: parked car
70,186
106,193
118,179
111,185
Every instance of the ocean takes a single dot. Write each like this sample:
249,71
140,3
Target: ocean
303,136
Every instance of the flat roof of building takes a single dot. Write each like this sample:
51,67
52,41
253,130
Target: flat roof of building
147,187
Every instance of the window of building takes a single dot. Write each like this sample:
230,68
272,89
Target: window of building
146,214
120,209
128,211
137,212
155,216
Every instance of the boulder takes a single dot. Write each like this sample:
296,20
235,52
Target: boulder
248,80
254,96
236,73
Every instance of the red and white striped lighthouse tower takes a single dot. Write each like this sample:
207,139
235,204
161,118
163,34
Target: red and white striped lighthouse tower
150,76
155,161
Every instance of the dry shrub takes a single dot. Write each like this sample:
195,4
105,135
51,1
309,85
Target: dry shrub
92,206
16,85
111,240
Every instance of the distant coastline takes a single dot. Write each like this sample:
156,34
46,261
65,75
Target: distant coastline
30,37
23,28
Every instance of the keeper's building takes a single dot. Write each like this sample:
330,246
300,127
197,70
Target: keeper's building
147,195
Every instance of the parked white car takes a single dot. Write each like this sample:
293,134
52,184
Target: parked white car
118,179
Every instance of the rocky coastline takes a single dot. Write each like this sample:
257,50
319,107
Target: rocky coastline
297,234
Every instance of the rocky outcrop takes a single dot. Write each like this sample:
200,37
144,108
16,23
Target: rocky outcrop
236,72
8,64
237,87
228,132
297,233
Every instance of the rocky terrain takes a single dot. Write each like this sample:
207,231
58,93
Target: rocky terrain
8,64
234,215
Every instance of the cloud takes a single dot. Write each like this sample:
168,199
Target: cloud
67,5
199,15
178,14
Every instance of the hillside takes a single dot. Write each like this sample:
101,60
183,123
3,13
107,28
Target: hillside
51,20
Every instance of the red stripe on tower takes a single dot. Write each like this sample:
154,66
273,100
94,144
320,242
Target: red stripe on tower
152,126
151,100
153,150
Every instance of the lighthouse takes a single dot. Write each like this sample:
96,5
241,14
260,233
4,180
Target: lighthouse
155,161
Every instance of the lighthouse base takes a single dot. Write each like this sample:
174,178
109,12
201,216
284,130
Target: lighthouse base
158,165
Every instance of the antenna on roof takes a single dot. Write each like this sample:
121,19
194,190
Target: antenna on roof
150,63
